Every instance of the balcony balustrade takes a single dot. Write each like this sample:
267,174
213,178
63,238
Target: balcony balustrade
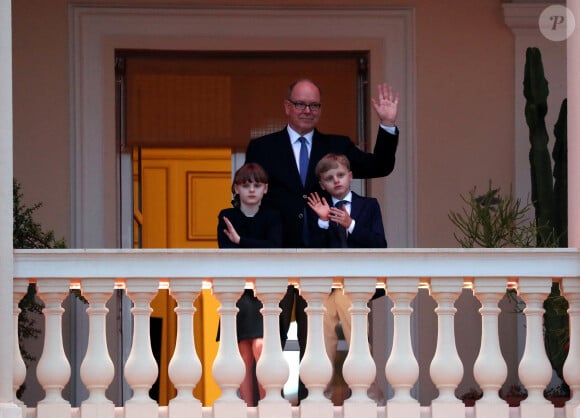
445,272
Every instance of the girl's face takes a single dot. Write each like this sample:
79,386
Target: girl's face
251,193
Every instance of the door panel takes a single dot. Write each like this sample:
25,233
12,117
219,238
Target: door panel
182,192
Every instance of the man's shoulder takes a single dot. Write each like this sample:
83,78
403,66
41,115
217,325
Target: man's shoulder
266,139
262,149
329,137
338,144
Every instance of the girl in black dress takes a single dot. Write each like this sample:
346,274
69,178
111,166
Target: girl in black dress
247,225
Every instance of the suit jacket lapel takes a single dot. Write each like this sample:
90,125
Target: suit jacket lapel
355,205
316,153
287,160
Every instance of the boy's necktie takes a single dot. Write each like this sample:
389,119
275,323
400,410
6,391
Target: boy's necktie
341,230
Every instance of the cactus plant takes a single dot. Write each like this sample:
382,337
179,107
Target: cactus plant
549,196
550,206
559,154
493,220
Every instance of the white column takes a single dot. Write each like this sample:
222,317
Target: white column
573,86
228,367
490,369
53,370
20,289
571,291
7,407
359,368
141,368
402,369
272,369
97,370
446,368
185,367
315,367
535,370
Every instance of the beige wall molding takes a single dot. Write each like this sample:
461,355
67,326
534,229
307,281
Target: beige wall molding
387,33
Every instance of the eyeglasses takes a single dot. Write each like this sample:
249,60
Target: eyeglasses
314,107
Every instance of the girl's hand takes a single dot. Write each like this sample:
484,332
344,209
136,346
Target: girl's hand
231,232
319,206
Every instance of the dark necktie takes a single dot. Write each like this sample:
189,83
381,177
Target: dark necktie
341,204
341,230
303,169
303,160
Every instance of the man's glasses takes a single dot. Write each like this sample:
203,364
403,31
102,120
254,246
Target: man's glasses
314,107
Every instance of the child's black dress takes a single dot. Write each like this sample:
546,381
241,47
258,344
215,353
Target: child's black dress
263,230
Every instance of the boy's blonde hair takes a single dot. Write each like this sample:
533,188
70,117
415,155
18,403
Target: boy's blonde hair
330,161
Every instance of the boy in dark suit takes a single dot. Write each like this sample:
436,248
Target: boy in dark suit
350,221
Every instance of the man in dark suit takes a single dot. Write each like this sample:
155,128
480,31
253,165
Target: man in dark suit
289,157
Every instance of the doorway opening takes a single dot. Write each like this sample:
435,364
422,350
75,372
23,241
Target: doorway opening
186,118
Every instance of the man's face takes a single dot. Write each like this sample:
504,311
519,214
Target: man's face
305,120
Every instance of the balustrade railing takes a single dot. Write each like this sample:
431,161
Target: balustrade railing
401,272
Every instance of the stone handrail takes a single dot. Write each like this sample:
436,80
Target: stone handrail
488,272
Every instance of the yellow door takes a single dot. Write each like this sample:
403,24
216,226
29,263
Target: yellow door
178,194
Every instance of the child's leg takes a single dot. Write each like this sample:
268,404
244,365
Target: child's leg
330,322
247,387
343,305
257,344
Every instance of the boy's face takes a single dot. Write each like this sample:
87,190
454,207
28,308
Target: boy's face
251,193
336,181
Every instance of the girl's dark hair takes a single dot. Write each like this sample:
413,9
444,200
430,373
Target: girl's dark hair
248,173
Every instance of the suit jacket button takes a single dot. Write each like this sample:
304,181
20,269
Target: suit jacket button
300,216
304,197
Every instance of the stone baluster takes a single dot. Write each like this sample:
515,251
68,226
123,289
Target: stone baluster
315,367
535,370
359,369
141,369
185,366
490,369
97,370
228,367
402,369
53,369
446,368
20,289
272,369
571,291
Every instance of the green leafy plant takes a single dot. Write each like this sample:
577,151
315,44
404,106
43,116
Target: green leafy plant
493,220
27,233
